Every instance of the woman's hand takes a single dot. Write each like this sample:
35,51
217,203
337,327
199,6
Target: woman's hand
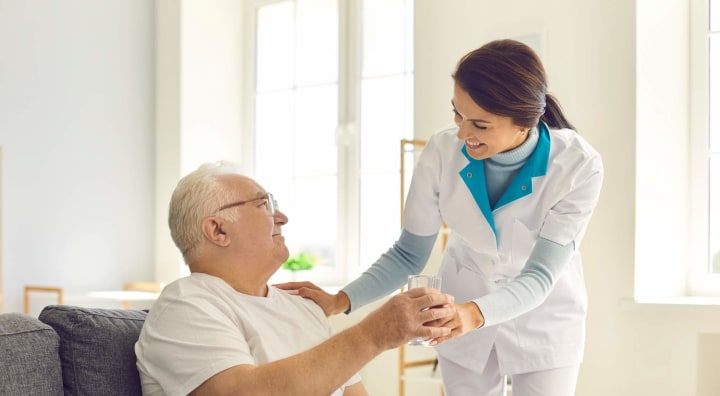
331,304
468,317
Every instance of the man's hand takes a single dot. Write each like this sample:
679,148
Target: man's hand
414,313
331,304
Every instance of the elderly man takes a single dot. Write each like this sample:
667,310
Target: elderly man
223,330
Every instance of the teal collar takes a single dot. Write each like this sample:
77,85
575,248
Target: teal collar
536,166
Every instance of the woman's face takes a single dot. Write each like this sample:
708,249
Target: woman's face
485,134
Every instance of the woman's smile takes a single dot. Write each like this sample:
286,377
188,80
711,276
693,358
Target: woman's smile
473,145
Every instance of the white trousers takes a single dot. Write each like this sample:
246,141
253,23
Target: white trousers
469,381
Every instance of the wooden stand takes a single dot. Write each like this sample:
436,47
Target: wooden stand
409,152
40,289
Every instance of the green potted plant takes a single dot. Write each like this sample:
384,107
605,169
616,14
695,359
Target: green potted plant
299,262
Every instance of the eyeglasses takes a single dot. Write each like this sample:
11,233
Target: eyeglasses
270,202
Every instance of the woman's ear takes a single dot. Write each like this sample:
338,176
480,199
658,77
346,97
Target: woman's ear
212,229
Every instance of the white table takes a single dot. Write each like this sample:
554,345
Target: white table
124,295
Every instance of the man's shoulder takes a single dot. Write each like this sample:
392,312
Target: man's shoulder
304,306
194,284
188,294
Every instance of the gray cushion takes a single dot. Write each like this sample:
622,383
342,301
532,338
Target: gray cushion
29,361
97,348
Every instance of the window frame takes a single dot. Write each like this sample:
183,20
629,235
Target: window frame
701,281
670,179
344,133
347,134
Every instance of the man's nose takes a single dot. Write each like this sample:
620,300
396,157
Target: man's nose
280,217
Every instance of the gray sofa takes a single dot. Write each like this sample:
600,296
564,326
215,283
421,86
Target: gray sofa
70,350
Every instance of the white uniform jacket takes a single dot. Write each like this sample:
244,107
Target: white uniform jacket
552,196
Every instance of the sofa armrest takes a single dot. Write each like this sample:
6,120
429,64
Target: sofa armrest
29,360
97,348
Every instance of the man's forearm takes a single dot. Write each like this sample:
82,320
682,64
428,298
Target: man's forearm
318,371
324,368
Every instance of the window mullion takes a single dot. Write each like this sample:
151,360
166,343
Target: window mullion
348,139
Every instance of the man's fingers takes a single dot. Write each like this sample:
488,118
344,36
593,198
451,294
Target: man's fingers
421,291
454,332
434,333
438,313
439,340
428,297
442,322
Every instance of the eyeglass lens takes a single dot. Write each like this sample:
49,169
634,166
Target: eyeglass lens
272,204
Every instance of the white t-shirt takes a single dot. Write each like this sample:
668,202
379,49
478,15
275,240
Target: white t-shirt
200,326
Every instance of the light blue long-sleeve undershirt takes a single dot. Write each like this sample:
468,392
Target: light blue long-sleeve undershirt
408,256
410,253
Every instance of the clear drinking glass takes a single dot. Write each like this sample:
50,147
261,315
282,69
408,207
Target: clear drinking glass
429,281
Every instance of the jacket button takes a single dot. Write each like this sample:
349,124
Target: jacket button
469,174
523,188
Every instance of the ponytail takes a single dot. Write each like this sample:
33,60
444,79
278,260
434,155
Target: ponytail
554,116
506,77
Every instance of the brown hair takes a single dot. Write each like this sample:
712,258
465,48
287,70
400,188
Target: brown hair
506,77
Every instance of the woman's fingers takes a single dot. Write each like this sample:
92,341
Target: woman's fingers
296,285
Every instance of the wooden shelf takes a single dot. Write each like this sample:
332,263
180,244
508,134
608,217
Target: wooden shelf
422,374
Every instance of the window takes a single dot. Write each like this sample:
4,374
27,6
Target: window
676,209
704,277
332,98
713,140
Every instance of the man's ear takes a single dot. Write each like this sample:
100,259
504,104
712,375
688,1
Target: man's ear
212,229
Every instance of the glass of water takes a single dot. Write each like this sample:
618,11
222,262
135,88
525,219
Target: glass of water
429,281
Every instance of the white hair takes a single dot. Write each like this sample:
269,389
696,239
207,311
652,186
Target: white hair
198,195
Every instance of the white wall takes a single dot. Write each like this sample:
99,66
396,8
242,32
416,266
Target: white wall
76,127
199,102
104,105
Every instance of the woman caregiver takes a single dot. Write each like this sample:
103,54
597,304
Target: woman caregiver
516,186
